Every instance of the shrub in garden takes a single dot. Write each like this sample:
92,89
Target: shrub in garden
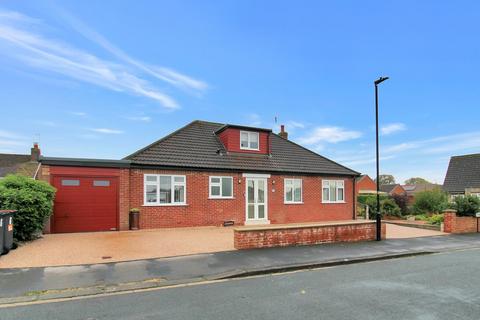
402,202
435,219
390,208
387,205
432,201
33,201
466,206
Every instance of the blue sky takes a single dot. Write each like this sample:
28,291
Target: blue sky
103,79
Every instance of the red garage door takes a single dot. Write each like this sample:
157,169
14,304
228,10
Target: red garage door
85,203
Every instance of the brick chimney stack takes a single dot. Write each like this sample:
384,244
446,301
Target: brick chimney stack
283,133
35,152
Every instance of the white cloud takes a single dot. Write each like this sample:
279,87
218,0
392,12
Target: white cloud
21,42
107,131
254,120
400,147
9,135
392,128
294,124
366,160
140,118
329,135
448,144
162,73
78,113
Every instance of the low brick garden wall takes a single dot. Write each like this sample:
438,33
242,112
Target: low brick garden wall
454,224
249,237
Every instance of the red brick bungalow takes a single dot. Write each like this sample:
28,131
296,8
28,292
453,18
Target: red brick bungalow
204,174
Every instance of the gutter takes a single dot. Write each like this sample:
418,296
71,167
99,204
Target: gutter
84,162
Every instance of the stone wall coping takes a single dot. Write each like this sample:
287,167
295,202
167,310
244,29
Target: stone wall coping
450,210
301,225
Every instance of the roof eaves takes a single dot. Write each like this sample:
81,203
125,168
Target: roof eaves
236,126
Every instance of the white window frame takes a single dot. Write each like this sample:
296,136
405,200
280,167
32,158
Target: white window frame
293,191
339,184
218,184
172,189
249,140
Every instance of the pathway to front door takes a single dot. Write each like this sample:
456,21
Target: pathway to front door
256,201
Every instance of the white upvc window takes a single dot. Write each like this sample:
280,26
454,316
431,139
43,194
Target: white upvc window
221,187
333,191
164,190
249,140
293,191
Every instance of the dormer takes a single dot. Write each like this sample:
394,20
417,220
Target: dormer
244,139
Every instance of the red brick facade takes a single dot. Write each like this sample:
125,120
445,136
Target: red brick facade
199,210
202,211
281,236
365,183
454,224
231,140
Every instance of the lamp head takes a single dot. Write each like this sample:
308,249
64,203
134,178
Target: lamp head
380,80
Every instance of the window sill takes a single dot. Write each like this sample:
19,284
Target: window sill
249,149
293,203
221,198
165,205
333,202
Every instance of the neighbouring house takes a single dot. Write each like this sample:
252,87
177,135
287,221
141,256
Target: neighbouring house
365,185
393,189
463,176
413,189
204,174
23,164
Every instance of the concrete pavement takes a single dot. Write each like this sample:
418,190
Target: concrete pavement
101,247
43,283
443,286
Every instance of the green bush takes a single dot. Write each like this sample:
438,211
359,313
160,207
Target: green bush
432,201
387,205
390,208
435,219
33,201
466,206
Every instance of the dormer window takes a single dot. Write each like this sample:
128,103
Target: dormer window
249,140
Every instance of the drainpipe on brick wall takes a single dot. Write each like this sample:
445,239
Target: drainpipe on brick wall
354,200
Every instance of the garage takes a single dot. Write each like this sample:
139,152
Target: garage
84,203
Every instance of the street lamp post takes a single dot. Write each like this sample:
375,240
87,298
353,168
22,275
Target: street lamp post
378,217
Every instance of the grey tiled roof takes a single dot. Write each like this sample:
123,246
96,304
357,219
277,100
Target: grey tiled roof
197,146
387,187
16,163
463,172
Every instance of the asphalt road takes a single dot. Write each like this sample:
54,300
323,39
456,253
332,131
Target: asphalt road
441,286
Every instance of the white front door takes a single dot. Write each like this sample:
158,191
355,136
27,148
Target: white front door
256,201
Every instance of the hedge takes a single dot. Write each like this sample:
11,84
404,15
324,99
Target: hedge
33,201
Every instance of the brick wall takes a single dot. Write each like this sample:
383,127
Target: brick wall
454,224
281,236
231,140
202,211
366,183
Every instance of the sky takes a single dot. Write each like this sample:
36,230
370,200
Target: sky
102,79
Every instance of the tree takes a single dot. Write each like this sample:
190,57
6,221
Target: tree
432,201
417,180
386,179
